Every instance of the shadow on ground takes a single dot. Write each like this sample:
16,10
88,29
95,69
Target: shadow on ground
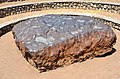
109,53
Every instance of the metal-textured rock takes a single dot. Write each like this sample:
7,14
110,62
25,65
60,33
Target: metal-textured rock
53,41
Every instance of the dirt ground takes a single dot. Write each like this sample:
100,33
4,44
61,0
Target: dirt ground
14,66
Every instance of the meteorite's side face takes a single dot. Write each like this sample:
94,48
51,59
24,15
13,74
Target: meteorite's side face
51,41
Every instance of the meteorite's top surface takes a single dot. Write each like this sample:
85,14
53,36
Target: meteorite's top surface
37,33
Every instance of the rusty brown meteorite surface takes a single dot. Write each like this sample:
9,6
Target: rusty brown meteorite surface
52,41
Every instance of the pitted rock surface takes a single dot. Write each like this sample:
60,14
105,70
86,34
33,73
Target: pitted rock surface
52,41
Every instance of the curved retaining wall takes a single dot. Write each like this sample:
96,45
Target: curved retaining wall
113,8
58,5
2,1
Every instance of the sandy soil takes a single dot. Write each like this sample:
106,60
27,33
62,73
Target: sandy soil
14,66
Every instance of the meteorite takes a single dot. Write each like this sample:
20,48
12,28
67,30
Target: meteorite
56,40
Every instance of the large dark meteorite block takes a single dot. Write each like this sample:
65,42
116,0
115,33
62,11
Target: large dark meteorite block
52,41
